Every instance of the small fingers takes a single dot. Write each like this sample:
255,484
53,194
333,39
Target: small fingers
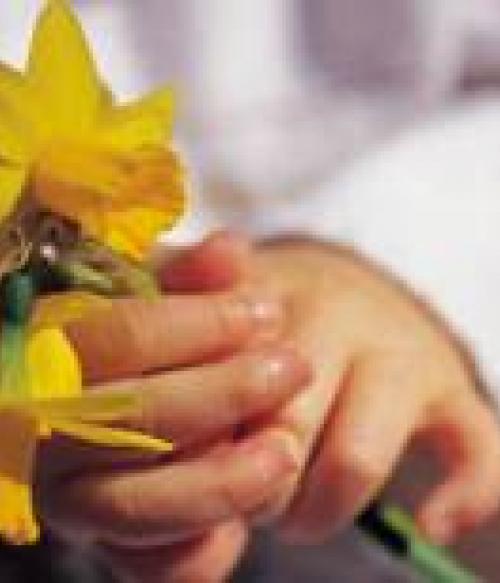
304,417
219,262
137,336
468,439
170,502
195,405
367,432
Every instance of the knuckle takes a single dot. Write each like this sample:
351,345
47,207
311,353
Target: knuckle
132,332
361,463
238,499
231,499
231,317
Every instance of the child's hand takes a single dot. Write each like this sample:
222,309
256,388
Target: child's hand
126,498
385,372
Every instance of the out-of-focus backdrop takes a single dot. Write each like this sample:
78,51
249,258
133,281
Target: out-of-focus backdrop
277,95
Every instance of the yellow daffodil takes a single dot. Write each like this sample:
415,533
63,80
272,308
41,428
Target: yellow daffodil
41,393
62,139
66,148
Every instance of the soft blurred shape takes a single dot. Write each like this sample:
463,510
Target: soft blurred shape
279,95
276,96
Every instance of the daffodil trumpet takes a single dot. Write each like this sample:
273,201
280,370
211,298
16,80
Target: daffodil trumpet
86,186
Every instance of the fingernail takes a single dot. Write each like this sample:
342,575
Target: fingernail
246,316
258,313
275,455
266,312
282,368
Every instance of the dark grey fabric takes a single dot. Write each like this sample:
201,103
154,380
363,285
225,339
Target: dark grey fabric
349,558
49,562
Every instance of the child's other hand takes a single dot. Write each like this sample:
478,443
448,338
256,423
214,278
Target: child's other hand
385,373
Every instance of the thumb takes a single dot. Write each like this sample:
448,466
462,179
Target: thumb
219,262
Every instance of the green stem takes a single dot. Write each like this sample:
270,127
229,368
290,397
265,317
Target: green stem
397,532
81,276
128,280
18,296
18,293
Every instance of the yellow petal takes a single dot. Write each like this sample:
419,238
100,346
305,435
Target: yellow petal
111,437
12,145
17,128
12,180
133,232
53,367
60,309
18,437
156,195
148,122
61,71
70,178
91,407
123,199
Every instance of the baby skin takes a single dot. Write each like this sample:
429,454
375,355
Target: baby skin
291,376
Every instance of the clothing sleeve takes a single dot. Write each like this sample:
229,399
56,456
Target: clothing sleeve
427,206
